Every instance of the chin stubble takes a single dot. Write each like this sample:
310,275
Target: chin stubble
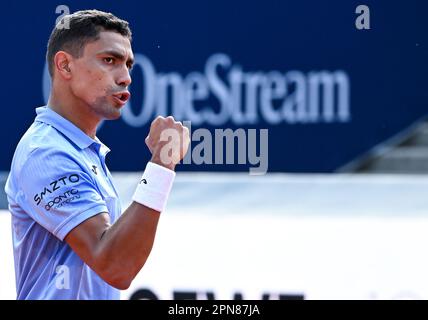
105,109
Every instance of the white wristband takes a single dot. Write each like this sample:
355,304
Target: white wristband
154,187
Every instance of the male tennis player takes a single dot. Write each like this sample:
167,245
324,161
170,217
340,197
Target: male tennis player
70,239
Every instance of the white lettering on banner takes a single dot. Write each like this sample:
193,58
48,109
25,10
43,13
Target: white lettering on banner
228,94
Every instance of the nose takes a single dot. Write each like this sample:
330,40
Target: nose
124,78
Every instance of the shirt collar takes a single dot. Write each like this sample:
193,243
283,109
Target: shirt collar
66,127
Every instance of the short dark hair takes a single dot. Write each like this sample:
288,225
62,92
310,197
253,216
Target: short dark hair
83,27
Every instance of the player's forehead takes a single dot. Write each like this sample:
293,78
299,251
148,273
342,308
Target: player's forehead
110,41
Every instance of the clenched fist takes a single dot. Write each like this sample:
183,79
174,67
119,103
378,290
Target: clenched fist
168,141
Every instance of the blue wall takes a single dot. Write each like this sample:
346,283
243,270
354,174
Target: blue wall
378,76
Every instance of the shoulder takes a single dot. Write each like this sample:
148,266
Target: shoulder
43,136
44,149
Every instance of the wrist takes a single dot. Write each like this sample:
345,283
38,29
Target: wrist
154,187
157,160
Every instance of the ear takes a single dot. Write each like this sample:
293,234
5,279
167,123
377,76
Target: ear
62,63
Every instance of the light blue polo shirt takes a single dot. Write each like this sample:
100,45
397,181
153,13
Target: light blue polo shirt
58,179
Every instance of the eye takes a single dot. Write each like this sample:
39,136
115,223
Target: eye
109,60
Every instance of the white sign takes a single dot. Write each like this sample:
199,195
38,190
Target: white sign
229,236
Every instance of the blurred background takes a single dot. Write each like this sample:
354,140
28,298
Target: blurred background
329,97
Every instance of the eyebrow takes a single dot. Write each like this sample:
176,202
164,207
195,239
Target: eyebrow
117,55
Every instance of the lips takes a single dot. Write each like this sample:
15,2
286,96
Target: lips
121,97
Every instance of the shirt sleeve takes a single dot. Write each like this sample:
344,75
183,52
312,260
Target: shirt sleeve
57,192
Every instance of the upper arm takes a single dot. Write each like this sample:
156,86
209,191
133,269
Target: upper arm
60,194
84,238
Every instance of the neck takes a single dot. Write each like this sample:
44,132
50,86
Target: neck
74,111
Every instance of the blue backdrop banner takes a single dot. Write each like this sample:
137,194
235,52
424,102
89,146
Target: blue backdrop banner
294,84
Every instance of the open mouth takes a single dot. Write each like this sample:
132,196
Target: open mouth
122,97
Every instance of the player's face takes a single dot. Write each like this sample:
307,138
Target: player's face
101,76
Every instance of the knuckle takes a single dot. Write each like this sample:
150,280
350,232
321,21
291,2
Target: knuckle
157,120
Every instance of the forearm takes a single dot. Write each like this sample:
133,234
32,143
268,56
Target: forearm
125,246
118,252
